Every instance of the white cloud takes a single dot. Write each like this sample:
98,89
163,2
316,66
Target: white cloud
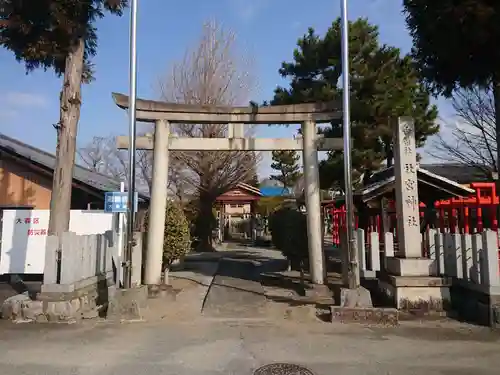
24,100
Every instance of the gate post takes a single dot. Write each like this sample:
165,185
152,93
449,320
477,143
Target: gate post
158,205
313,205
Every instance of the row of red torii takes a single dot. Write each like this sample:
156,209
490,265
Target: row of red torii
162,114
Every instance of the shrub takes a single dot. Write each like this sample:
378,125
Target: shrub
288,228
177,242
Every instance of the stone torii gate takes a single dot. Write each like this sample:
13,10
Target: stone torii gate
162,114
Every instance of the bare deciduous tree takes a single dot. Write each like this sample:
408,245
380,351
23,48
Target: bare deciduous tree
101,155
472,139
214,72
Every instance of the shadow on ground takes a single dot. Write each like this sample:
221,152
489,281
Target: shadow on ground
246,280
11,285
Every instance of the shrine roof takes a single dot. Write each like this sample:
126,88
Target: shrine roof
430,186
251,191
463,174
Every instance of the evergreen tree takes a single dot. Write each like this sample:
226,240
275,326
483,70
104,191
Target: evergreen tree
254,178
286,163
456,45
58,35
384,85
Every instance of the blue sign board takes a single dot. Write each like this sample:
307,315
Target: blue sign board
117,202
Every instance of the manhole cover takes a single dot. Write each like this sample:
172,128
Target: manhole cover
282,369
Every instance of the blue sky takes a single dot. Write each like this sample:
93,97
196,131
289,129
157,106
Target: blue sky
268,28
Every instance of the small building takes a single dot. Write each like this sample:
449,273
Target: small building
236,210
240,200
26,179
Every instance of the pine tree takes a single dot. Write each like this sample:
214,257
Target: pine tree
254,178
286,163
59,35
384,85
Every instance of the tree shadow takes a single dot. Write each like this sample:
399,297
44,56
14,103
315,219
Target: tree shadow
262,274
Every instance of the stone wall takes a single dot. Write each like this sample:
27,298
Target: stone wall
61,303
463,276
475,306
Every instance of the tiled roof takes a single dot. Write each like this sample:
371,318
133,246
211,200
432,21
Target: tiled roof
383,180
463,174
249,188
83,175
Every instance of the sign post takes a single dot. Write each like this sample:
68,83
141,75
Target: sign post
117,202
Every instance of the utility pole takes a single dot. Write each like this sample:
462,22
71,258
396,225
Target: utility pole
352,256
127,264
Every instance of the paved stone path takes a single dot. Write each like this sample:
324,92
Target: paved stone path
236,291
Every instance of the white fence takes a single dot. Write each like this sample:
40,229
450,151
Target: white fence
470,259
82,257
24,236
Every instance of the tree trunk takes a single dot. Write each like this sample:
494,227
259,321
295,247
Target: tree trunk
389,154
70,102
496,99
205,221
166,274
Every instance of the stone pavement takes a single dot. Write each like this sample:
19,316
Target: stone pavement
208,347
236,291
178,340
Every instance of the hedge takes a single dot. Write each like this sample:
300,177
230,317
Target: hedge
288,228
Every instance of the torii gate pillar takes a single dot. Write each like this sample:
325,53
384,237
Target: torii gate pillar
158,206
313,204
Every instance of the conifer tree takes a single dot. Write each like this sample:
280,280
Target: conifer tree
384,85
286,163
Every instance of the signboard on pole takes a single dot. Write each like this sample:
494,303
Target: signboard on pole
117,202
